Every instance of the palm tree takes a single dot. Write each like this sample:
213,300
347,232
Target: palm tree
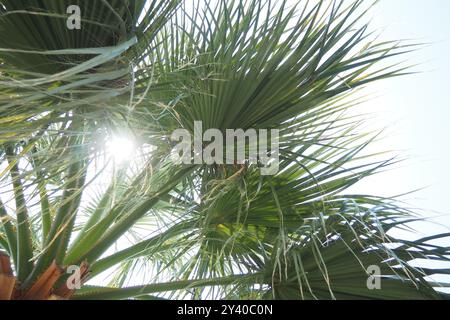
157,229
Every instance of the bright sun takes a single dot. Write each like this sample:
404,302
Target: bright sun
120,149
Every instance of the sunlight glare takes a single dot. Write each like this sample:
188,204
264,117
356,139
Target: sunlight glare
120,149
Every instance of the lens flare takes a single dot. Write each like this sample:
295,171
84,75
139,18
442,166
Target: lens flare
120,149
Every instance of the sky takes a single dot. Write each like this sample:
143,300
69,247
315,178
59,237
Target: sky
416,109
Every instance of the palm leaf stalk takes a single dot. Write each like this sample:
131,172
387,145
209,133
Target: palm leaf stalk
195,231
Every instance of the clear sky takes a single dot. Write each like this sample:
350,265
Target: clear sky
416,108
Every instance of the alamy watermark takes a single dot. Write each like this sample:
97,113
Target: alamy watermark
74,280
74,20
234,147
374,280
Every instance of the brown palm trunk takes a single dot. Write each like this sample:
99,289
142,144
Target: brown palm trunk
46,286
7,279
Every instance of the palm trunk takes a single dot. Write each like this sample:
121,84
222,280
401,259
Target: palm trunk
47,286
7,279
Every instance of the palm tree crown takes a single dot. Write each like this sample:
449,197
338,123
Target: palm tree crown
144,68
